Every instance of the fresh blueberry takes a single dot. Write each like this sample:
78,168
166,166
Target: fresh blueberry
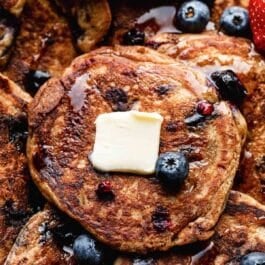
87,251
235,21
229,86
254,258
134,37
193,16
35,79
172,169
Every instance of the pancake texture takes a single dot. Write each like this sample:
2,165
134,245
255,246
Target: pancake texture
239,232
213,52
14,177
36,243
44,43
63,133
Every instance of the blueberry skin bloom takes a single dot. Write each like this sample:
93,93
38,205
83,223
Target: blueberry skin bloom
193,16
235,22
87,251
254,258
172,169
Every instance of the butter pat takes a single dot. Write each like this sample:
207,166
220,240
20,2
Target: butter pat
127,142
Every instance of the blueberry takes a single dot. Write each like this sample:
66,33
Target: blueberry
87,251
134,37
235,21
254,258
172,168
193,16
229,86
35,79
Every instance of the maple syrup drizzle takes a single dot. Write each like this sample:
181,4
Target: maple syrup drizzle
160,19
77,93
196,258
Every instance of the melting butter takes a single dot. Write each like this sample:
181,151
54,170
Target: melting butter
127,142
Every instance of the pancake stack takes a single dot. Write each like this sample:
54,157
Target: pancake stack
73,58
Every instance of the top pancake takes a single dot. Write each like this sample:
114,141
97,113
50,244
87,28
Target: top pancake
63,133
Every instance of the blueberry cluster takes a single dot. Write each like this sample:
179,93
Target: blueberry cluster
193,16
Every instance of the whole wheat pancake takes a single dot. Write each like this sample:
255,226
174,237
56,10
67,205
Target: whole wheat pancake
213,52
44,43
63,133
239,232
38,243
14,177
51,36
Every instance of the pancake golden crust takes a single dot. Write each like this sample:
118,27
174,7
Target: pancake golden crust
14,177
44,43
239,232
35,244
62,137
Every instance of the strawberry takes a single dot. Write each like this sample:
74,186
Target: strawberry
257,22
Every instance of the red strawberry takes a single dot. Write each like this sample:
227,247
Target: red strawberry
257,22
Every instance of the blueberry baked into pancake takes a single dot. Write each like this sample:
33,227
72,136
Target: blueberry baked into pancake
14,177
93,148
238,239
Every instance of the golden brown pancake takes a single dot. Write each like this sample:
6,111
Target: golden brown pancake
63,133
44,43
37,243
14,177
213,52
239,232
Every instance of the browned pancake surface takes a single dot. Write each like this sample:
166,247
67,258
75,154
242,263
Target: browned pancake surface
239,232
63,133
14,178
36,245
44,43
213,52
